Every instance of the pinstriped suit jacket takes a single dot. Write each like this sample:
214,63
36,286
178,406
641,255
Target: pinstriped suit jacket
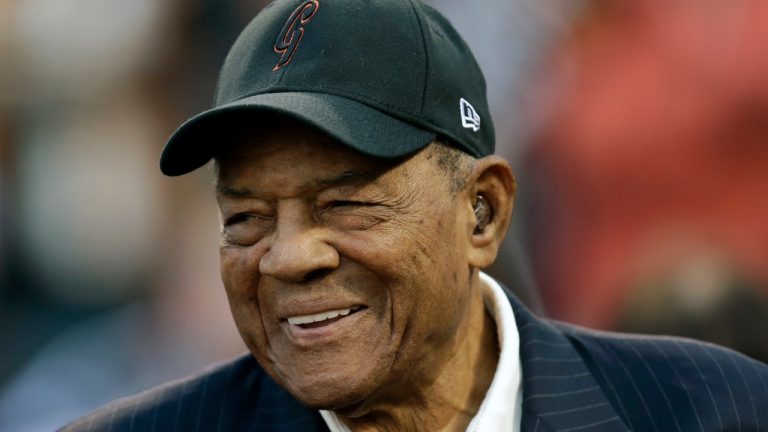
573,380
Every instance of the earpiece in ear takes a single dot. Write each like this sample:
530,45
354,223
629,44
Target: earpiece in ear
483,214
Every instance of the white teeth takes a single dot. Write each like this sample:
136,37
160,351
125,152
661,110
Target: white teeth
322,316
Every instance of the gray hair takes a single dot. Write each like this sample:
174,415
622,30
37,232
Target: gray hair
454,163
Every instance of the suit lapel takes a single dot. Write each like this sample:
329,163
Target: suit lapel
559,391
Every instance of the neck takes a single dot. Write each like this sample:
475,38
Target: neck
451,400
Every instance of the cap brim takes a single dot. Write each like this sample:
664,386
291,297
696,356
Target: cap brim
352,123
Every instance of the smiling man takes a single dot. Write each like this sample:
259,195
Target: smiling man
359,200
354,280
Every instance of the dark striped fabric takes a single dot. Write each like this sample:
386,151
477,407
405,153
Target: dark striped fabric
576,379
573,380
235,396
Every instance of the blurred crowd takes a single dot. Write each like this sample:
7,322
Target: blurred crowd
638,130
650,160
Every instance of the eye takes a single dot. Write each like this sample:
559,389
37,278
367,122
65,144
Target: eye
236,219
244,229
343,203
353,215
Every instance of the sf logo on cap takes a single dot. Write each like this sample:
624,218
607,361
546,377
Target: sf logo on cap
470,119
293,30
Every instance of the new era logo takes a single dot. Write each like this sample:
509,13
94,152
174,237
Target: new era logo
469,117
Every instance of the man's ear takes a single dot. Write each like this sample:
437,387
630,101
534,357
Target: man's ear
491,198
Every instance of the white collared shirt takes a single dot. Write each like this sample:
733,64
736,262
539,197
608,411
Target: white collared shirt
502,407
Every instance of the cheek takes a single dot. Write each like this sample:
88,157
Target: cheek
419,253
239,273
434,259
420,261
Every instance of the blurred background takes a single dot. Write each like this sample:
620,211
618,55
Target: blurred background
638,131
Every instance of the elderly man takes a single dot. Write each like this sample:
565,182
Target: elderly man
359,200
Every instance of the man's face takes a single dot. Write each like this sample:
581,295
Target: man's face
347,276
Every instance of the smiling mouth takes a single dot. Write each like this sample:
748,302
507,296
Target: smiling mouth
321,319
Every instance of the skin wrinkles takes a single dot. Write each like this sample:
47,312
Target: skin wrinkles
309,226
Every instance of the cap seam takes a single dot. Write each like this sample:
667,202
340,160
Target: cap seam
426,57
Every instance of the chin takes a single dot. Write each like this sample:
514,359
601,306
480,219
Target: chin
329,379
344,389
331,397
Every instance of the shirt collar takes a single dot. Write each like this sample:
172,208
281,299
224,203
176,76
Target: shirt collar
502,408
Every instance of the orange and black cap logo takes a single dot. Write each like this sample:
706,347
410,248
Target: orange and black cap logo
290,36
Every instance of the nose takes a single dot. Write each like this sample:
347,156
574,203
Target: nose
298,253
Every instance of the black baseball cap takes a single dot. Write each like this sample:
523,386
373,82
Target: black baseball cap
384,77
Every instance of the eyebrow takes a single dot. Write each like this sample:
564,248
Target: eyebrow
346,177
234,192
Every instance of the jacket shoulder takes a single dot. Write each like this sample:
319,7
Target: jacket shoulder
232,396
700,386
